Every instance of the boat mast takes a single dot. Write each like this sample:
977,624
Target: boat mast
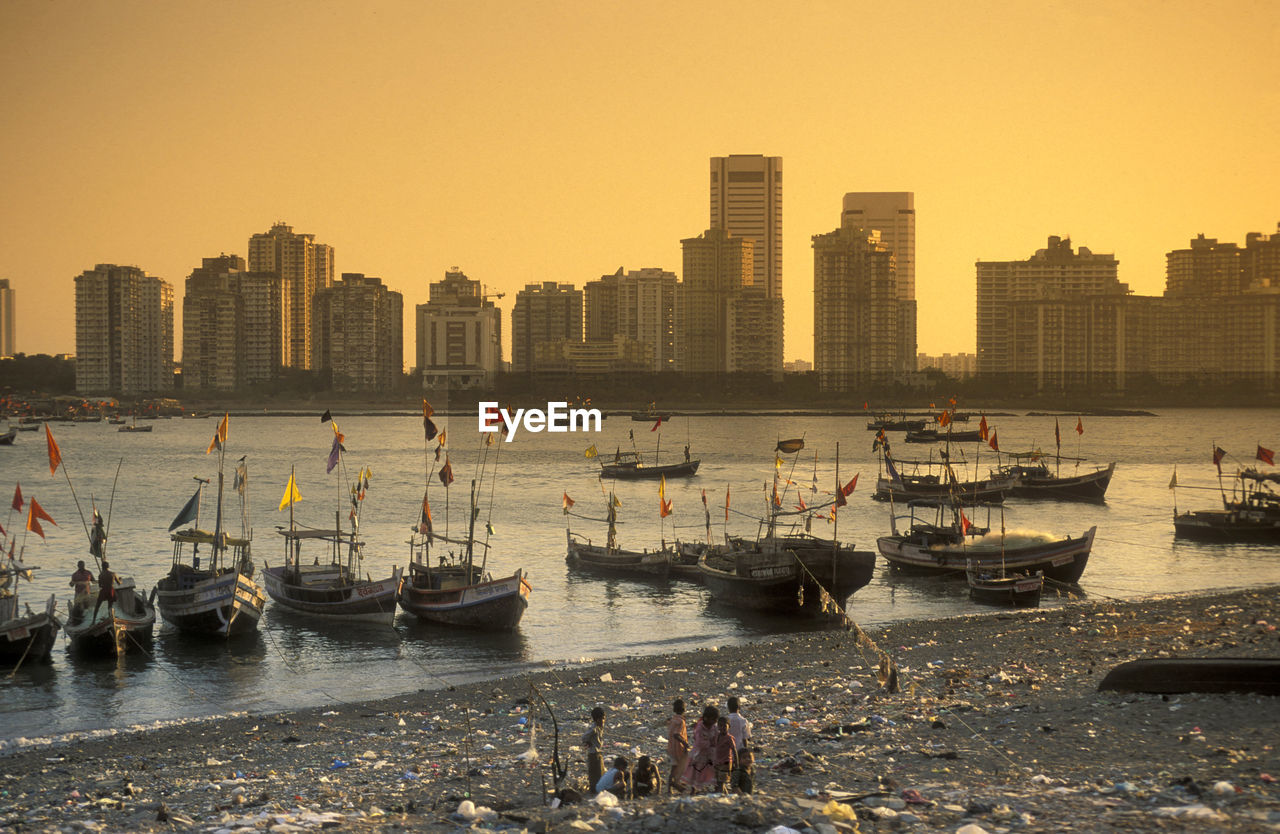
218,544
471,530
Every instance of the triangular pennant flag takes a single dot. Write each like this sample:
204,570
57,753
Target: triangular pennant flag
567,503
335,454
55,454
34,514
590,453
326,417
189,511
657,425
424,522
726,502
446,472
1266,455
1079,426
291,494
17,498
1173,482
1218,454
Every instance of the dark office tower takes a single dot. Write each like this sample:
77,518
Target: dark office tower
124,332
543,313
855,310
304,267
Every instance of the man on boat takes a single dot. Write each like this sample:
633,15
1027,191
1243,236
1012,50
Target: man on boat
81,579
97,538
106,592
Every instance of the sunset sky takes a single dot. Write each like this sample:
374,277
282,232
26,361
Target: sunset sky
526,142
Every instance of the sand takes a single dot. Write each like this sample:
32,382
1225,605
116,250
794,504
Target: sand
997,726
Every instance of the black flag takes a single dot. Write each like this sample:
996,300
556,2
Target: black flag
430,427
326,417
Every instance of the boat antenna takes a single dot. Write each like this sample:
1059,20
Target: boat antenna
488,521
112,502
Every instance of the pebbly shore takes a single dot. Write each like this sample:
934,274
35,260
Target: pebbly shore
997,726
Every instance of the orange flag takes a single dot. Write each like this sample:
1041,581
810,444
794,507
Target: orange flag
34,514
55,455
219,436
1079,426
568,502
994,443
726,502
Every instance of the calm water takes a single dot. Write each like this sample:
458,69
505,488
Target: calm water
291,663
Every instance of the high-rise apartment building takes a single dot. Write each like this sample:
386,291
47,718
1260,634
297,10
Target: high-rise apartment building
231,322
1206,267
7,318
546,312
304,267
1054,273
746,201
639,305
360,333
459,335
124,332
855,309
893,215
1260,261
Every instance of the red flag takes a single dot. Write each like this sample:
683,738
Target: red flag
982,427
1218,455
657,425
17,498
843,492
424,523
944,419
665,509
34,514
704,498
1057,435
801,505
446,473
1079,426
1266,455
994,443
55,455
726,502
568,502
965,523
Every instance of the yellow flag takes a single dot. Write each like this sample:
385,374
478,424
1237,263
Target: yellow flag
590,453
662,489
291,494
777,462
616,502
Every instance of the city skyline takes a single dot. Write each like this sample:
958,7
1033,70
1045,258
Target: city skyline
529,145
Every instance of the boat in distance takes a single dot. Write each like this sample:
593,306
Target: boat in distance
1250,513
798,574
1033,479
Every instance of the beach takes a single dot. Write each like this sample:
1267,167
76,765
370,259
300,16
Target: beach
997,723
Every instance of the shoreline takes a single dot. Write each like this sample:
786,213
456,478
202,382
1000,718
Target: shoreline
998,717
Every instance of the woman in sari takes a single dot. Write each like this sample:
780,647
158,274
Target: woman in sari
701,772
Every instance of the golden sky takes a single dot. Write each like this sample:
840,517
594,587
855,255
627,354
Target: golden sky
534,141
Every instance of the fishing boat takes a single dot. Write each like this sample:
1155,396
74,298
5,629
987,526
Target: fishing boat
1250,512
455,590
217,595
789,572
609,559
999,587
7,437
934,482
887,422
333,589
628,465
103,630
950,544
24,637
134,427
937,436
1032,478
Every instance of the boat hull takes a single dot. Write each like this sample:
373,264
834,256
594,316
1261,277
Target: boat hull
1175,675
640,471
786,581
1091,486
1016,591
125,628
1227,526
991,491
322,592
29,639
1061,561
496,605
221,605
636,564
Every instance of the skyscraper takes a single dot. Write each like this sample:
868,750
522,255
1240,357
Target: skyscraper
893,215
638,305
360,333
6,318
855,309
231,323
124,331
746,201
459,334
304,267
725,324
546,312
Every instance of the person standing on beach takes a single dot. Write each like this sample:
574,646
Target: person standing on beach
740,728
700,772
677,746
593,740
106,591
724,755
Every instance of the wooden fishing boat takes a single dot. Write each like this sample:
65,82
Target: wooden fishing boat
331,590
786,574
456,591
134,427
218,597
7,437
1021,590
1177,675
610,560
24,638
111,631
936,487
951,544
628,466
1250,513
889,423
939,436
1032,478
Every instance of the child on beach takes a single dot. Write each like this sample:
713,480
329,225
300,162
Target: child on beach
646,781
593,740
742,780
700,772
615,779
724,754
677,746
